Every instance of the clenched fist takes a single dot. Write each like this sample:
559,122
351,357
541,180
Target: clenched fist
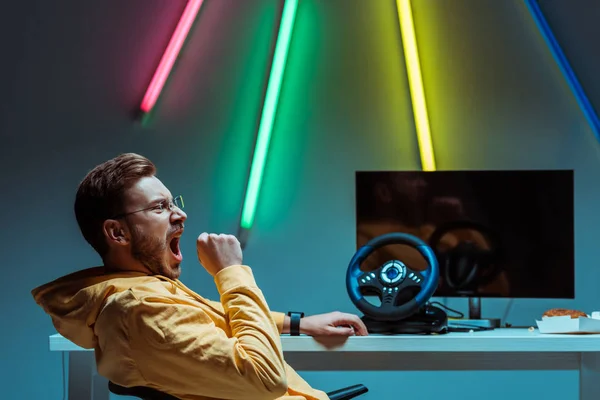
217,252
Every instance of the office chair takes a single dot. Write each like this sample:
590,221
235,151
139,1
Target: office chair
145,393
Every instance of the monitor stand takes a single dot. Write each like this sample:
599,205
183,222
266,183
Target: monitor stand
475,319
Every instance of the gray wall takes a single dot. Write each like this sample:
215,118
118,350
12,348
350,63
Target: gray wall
72,72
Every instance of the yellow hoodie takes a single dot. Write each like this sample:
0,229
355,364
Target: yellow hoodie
148,330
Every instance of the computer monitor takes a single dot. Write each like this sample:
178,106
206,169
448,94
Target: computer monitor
496,233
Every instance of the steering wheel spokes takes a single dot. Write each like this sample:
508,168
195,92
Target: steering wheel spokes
389,274
369,279
389,298
414,278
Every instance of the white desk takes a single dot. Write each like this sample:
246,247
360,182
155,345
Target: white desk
500,349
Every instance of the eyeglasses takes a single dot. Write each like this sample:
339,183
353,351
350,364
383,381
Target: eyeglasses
162,206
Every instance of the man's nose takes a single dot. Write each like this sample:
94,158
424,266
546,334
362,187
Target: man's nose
178,215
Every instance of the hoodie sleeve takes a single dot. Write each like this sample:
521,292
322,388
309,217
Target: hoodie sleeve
179,349
278,317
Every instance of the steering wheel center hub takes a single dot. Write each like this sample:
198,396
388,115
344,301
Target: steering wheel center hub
393,272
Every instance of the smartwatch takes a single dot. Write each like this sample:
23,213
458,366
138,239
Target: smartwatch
295,317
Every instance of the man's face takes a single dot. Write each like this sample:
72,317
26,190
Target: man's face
154,233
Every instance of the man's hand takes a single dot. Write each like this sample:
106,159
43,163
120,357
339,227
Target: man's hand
217,252
333,324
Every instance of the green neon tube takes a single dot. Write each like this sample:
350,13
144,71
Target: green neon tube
265,128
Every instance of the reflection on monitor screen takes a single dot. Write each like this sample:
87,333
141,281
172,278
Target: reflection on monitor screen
495,233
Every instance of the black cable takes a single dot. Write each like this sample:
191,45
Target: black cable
460,315
456,325
467,328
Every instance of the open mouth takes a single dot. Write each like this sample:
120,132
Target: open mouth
174,246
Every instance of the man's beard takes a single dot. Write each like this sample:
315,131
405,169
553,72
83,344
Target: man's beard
150,251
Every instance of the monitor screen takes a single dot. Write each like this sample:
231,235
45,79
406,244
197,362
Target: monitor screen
494,233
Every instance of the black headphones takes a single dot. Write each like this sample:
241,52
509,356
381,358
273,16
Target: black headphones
467,265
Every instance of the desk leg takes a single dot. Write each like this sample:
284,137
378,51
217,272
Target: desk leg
589,376
84,381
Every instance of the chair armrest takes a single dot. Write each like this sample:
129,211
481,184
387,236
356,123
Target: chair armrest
348,393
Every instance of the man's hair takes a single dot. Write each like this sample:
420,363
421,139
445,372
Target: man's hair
100,194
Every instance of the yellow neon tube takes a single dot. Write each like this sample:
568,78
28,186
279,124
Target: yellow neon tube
411,55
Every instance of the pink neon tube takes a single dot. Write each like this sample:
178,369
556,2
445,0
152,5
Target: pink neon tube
170,55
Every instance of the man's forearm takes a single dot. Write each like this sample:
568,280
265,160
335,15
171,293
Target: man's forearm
286,324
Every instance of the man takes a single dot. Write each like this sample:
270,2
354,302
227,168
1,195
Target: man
146,327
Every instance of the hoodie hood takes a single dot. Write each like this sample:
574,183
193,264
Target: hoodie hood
74,301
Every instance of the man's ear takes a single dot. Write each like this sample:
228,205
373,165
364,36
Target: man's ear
116,233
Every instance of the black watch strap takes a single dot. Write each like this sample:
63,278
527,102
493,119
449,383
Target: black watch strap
295,317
